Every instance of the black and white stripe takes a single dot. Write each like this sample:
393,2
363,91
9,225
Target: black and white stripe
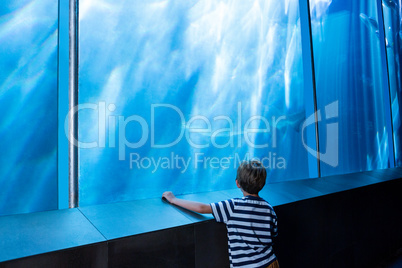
251,223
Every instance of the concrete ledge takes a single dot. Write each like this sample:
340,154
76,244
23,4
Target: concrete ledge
41,232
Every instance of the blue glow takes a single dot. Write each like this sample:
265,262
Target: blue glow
392,24
234,59
348,69
28,99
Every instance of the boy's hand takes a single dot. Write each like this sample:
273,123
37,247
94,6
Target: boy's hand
169,196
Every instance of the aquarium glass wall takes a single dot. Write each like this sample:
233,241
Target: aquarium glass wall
28,101
393,32
175,94
350,87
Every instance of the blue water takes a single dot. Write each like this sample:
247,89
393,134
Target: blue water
217,62
348,69
175,94
392,24
28,101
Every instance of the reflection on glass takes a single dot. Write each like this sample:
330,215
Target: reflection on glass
28,99
169,90
392,24
348,70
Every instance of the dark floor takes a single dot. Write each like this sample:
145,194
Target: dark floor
393,262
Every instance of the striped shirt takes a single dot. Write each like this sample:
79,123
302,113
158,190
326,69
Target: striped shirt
251,223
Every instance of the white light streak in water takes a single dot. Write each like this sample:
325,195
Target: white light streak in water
319,8
381,159
396,124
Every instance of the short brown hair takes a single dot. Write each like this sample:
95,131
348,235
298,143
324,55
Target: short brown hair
251,176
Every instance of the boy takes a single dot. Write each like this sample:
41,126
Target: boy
251,221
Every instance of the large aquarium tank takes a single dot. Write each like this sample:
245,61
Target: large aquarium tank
178,93
349,70
392,13
174,95
28,101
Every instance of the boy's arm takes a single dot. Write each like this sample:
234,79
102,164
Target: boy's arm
190,205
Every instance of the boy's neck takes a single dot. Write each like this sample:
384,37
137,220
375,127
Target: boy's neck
247,194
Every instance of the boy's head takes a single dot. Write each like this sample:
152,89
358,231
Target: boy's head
251,176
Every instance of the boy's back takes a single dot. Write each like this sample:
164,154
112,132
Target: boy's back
251,224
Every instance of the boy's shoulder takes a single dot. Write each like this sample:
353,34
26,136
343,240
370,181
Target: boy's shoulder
247,200
251,200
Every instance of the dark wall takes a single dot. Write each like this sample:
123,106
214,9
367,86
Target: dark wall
86,256
355,228
169,248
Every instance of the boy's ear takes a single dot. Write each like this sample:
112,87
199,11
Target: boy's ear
237,183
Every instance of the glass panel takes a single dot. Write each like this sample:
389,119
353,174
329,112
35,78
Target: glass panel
153,73
28,99
392,24
348,74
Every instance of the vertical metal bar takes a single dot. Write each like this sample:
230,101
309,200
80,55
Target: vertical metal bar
386,84
58,105
314,88
309,74
73,102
